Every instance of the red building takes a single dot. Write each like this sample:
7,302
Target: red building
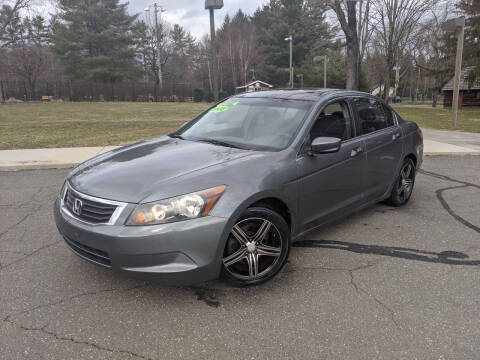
469,94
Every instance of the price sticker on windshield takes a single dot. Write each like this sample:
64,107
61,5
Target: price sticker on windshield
223,107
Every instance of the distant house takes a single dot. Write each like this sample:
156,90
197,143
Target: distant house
378,91
256,85
469,94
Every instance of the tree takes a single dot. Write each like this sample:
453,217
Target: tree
471,10
396,23
154,47
433,51
29,52
9,18
237,49
94,41
305,21
180,64
357,32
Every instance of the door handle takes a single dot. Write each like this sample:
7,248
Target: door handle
395,136
356,151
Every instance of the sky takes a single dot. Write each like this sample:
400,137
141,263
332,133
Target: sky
191,14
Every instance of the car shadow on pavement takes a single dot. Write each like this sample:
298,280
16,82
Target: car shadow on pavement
444,257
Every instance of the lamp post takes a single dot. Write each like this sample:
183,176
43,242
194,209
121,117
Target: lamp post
290,38
323,58
457,25
213,5
300,76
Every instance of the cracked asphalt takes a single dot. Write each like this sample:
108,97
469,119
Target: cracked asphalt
385,283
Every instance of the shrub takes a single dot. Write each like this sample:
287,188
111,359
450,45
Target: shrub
198,95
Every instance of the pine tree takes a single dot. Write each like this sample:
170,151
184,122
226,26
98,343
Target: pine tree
180,65
312,35
94,40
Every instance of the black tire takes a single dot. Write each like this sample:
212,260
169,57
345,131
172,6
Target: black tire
262,237
403,186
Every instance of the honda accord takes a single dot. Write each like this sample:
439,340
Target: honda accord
231,190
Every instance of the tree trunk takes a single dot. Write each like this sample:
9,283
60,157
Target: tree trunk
434,98
155,87
352,67
232,62
353,51
25,91
210,76
386,88
1,92
390,64
31,84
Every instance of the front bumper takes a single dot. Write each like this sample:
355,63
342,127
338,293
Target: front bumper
181,253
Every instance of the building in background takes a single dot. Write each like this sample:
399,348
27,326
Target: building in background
469,91
378,91
256,85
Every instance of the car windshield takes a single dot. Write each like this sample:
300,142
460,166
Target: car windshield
249,123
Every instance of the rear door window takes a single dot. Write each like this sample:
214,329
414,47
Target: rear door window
372,115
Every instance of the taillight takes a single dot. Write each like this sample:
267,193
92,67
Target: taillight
420,133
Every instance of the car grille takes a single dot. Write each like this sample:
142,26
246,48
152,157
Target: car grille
91,211
94,255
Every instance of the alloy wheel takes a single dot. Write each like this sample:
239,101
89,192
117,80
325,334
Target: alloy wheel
405,182
253,249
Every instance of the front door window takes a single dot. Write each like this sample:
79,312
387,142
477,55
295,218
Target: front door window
334,121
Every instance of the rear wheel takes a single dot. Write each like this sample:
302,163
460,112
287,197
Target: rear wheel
257,247
403,187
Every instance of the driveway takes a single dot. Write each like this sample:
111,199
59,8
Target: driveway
386,283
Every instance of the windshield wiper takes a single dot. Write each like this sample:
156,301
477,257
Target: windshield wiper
222,143
176,136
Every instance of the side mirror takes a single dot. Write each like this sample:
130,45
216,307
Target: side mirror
325,145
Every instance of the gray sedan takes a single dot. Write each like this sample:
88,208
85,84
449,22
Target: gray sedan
231,190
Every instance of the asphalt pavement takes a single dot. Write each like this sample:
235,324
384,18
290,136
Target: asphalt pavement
386,283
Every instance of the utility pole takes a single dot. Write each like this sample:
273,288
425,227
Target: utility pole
457,25
458,71
212,5
158,35
323,58
214,55
290,38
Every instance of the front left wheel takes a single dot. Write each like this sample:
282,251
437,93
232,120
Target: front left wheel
257,247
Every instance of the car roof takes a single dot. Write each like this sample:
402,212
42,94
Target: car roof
301,94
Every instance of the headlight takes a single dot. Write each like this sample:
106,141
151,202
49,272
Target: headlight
63,191
179,208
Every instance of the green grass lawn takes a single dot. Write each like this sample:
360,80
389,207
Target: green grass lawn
38,125
440,118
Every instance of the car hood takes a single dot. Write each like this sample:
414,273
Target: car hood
132,173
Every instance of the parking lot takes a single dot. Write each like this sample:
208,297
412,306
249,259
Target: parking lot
390,283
